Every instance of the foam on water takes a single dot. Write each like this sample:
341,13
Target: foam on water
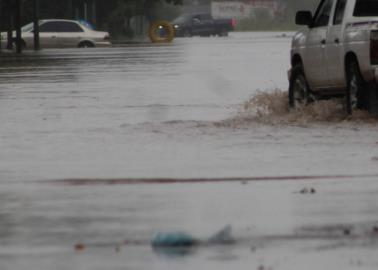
272,108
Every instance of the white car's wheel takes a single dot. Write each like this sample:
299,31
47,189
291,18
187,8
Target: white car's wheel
86,44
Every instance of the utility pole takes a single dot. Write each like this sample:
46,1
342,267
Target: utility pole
85,11
94,13
10,10
18,26
37,45
1,19
70,10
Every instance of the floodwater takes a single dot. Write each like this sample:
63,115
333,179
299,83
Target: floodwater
101,149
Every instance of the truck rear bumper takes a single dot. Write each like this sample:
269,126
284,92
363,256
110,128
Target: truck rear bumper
376,74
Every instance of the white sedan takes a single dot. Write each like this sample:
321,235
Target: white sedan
61,34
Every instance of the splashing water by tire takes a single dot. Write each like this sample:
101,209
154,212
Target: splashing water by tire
272,108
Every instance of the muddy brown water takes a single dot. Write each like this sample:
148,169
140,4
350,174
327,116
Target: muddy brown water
197,109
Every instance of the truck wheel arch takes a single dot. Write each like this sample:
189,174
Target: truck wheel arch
349,57
296,60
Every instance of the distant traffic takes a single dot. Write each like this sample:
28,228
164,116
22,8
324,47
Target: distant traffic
202,25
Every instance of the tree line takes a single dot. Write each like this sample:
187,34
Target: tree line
110,14
105,11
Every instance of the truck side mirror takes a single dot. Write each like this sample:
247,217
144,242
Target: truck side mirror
303,18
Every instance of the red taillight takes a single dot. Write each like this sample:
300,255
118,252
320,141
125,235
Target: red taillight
374,47
107,38
233,23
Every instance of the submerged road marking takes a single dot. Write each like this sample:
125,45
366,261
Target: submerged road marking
155,181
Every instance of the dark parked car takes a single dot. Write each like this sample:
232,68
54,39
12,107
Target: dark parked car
202,25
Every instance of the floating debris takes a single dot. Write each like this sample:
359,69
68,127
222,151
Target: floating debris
261,267
174,239
182,239
347,231
79,247
307,191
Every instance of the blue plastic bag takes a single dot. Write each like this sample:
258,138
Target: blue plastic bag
173,239
181,239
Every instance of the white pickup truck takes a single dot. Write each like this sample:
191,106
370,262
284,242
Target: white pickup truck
337,54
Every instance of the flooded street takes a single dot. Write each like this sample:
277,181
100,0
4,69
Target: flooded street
103,148
118,112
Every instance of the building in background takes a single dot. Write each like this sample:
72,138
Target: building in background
245,9
196,6
238,9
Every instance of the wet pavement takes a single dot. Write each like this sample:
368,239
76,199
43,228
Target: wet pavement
80,128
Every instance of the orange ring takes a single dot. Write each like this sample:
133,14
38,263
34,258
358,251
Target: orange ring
155,27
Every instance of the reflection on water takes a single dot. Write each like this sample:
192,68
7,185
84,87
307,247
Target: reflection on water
173,253
70,65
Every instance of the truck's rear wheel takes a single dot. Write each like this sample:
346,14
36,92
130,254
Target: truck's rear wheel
187,33
356,90
299,91
223,32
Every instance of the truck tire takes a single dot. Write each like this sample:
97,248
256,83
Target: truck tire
356,90
187,33
299,91
223,33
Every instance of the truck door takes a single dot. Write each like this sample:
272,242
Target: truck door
201,25
197,25
208,24
314,56
334,47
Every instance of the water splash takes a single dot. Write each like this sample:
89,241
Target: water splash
272,108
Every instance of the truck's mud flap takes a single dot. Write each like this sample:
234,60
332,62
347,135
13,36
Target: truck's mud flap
373,98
